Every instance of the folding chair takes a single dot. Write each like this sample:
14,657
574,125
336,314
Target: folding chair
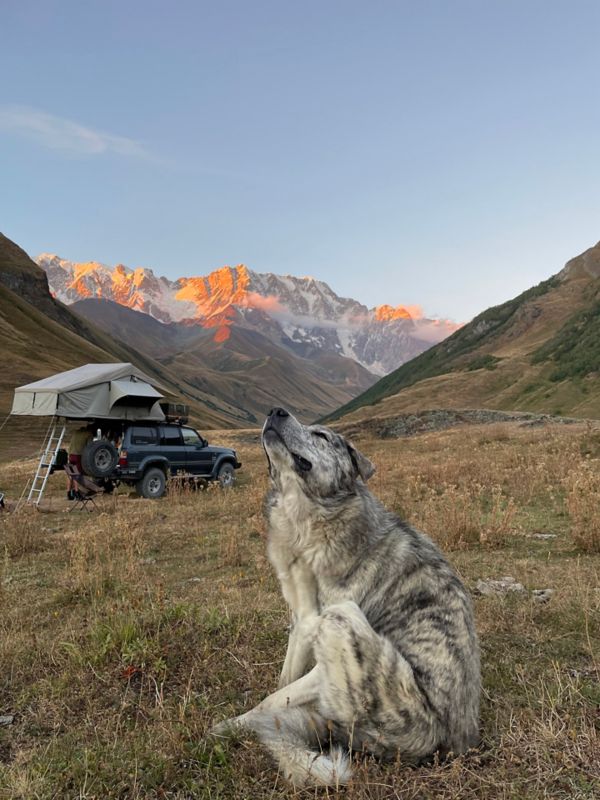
84,487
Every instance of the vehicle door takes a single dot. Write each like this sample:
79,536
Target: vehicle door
173,448
143,442
199,458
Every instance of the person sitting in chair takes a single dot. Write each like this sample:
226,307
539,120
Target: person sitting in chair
79,440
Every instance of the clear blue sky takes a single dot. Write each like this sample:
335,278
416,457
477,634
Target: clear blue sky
440,152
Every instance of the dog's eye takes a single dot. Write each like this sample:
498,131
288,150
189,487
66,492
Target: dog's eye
302,464
320,435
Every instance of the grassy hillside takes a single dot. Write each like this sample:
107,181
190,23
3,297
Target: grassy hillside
139,330
575,351
36,346
125,635
537,352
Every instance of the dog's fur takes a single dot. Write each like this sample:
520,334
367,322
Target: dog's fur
383,654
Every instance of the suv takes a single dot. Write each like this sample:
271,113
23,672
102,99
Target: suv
150,453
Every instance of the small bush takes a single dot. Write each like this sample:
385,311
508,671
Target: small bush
460,517
590,443
583,491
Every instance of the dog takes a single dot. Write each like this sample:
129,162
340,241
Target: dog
383,655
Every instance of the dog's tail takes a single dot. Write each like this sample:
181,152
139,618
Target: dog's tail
299,741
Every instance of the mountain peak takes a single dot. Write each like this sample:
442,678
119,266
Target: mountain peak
387,313
586,264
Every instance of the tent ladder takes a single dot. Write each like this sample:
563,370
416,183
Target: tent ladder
51,446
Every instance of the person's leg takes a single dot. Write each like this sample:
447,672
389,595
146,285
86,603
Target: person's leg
75,461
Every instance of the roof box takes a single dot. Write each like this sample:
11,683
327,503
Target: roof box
176,412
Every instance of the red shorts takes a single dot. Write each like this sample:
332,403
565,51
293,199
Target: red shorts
75,459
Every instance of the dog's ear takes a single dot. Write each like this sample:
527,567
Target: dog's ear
362,465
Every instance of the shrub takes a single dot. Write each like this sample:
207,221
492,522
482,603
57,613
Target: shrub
583,490
459,517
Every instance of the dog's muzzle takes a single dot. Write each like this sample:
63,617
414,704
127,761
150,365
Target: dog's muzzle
274,420
272,427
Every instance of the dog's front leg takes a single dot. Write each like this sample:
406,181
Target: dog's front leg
299,649
300,590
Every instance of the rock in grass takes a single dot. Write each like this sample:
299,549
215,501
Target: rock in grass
7,719
498,586
507,584
542,595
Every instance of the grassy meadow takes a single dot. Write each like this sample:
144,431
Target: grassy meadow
125,633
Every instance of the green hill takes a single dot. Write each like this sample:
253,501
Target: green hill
537,352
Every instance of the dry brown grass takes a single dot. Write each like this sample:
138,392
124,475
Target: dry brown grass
24,534
125,633
583,504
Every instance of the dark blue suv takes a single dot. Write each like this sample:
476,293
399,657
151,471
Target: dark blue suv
149,453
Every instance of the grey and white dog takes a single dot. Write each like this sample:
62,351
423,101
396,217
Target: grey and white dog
383,655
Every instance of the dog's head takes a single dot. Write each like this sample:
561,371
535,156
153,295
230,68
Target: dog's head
317,457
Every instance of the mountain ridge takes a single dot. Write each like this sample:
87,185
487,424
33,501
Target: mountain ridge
301,314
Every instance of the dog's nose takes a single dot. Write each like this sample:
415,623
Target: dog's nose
279,412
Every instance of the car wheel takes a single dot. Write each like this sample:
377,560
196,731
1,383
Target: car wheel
99,459
153,484
226,476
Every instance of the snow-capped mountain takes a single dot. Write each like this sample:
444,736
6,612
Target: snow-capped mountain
302,314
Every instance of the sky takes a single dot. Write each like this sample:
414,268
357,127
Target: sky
444,153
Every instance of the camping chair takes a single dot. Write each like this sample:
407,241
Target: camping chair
84,487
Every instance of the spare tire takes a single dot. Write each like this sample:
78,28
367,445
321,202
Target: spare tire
99,458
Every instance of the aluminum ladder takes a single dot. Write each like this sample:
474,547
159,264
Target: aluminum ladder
50,448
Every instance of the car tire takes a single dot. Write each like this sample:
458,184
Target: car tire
226,476
99,458
153,485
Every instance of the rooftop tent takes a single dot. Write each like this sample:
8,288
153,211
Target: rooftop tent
133,392
95,390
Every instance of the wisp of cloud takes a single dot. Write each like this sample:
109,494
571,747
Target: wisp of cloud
59,133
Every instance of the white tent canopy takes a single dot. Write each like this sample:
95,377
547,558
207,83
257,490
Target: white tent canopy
108,391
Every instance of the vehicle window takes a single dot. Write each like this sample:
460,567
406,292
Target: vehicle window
190,436
170,436
143,434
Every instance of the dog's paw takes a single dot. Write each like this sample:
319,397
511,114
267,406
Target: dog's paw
222,729
228,727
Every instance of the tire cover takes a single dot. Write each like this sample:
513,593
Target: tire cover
99,458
